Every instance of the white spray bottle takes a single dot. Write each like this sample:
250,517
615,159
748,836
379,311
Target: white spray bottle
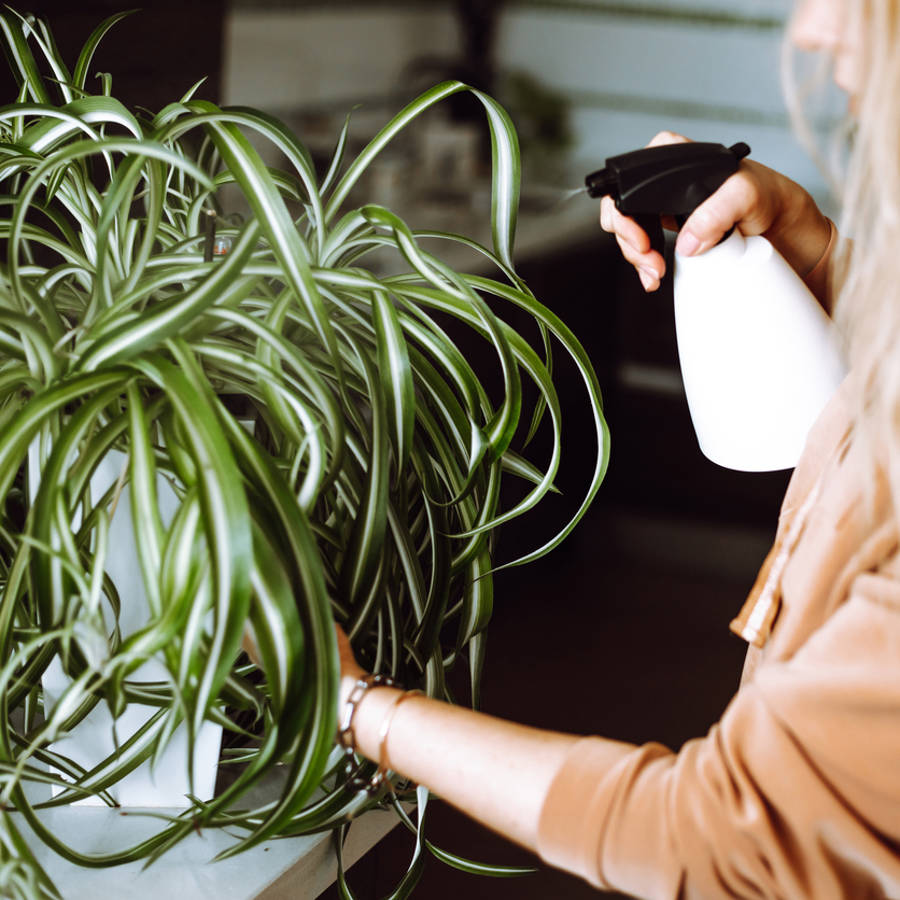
759,357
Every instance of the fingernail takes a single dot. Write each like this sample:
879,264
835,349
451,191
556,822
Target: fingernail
650,272
687,243
648,279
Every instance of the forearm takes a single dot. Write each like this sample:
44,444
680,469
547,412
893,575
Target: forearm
495,771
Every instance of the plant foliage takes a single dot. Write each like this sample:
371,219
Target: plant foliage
333,451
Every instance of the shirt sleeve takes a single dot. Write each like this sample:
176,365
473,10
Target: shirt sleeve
794,793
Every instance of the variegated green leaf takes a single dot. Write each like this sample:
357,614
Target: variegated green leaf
334,446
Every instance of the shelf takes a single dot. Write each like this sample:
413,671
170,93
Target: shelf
298,868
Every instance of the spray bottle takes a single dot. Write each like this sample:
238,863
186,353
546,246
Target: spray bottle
759,357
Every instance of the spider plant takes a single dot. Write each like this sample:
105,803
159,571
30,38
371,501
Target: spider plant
334,451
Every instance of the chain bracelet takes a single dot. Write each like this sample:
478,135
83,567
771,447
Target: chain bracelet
345,734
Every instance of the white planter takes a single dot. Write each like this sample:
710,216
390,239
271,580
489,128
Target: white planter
93,739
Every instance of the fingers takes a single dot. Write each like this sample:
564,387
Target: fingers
349,666
710,221
631,238
623,227
756,199
650,266
634,244
739,201
248,645
667,137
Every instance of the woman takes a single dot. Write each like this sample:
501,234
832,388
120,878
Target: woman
796,791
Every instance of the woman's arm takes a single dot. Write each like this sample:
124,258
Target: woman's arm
496,771
793,793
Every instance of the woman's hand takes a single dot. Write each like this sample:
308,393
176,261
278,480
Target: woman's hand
351,670
757,199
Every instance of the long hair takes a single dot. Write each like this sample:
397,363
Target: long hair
867,267
866,264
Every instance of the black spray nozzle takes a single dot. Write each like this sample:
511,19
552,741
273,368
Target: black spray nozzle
672,179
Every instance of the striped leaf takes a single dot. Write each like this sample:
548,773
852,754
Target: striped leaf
335,442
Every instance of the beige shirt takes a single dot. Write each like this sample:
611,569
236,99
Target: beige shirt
795,792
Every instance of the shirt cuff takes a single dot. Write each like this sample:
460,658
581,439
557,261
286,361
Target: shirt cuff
581,801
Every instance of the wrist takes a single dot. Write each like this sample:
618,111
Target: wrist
817,248
369,705
802,233
354,691
817,279
345,688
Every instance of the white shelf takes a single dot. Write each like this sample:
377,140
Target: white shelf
284,869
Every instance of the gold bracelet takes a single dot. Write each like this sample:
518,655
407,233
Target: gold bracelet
823,256
376,780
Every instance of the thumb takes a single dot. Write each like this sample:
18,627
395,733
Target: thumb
730,205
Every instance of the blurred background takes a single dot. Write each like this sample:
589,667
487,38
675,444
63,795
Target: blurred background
624,630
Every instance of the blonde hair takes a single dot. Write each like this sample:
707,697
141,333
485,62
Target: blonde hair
863,166
867,265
